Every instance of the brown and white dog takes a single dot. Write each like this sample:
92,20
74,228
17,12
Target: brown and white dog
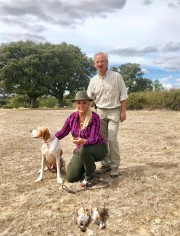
51,152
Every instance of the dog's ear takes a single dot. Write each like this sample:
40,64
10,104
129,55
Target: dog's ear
45,134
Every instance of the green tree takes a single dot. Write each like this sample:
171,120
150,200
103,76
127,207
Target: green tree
157,86
133,77
43,69
142,84
67,69
21,70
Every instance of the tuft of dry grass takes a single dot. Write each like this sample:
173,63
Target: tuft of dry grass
142,201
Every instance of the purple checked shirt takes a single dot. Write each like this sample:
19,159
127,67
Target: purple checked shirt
90,132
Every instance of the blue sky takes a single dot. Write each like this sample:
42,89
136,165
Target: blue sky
146,32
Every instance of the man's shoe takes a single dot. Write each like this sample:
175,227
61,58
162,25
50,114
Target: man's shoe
114,172
103,170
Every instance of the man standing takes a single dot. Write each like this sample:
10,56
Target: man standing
109,93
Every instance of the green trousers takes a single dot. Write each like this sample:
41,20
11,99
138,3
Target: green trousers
83,161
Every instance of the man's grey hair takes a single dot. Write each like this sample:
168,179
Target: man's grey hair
104,53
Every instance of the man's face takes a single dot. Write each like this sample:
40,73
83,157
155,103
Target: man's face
100,63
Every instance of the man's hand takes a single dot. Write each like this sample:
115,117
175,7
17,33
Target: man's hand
122,116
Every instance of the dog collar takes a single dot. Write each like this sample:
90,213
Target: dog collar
50,140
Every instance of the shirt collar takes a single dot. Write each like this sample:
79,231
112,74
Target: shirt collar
102,77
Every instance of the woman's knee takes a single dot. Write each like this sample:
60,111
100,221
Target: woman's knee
71,179
84,152
75,170
73,176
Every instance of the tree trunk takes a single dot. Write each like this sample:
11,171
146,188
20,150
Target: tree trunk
33,103
60,101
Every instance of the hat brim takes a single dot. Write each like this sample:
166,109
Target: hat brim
74,100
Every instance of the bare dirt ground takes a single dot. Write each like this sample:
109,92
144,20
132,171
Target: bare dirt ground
143,201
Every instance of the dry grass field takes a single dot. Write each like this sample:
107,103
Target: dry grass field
143,201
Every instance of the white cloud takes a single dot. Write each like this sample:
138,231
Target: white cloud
145,71
171,63
167,86
142,31
164,80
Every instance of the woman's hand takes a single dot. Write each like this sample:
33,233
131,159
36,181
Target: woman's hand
79,140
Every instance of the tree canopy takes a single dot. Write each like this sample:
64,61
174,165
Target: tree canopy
41,69
134,80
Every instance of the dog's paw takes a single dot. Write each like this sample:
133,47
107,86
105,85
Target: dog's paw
59,181
38,179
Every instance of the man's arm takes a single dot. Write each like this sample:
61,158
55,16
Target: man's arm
123,111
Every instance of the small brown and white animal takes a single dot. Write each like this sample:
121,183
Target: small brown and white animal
83,218
51,152
98,215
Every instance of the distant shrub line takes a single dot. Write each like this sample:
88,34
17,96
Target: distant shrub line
155,100
136,101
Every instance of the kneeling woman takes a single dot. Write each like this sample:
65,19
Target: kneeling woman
84,126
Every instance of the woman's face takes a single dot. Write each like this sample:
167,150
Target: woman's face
82,106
